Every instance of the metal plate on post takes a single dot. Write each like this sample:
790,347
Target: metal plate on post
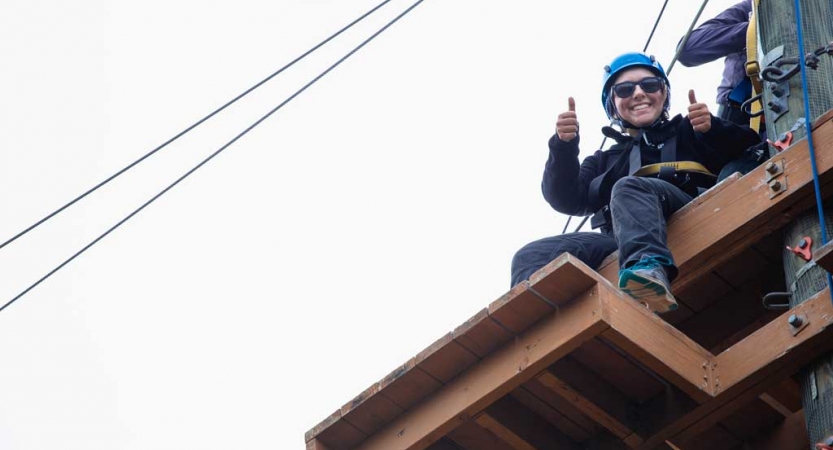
797,322
773,169
777,186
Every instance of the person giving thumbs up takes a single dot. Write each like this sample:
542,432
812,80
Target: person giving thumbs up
567,124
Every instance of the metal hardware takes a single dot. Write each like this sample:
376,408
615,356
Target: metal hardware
776,187
773,169
797,323
773,295
747,106
804,249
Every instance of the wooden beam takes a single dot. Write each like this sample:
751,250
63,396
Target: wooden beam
315,444
658,346
824,257
568,424
584,405
471,436
516,442
791,434
754,366
495,376
522,428
705,234
771,347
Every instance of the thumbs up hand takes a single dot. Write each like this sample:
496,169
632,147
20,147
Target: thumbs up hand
567,125
698,114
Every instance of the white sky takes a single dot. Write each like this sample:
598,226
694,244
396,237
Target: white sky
367,218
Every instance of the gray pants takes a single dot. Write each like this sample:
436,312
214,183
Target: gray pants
639,209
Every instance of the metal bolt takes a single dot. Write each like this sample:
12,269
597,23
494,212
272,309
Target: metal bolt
794,321
774,107
775,186
828,441
771,167
802,244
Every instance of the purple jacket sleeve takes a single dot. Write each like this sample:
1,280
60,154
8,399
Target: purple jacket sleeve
723,35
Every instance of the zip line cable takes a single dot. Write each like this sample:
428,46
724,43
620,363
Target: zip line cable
651,36
644,49
196,124
210,157
687,34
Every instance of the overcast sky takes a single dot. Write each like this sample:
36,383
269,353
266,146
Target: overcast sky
364,220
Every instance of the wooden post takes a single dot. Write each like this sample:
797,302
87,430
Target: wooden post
777,25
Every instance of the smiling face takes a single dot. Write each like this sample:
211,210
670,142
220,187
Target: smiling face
640,109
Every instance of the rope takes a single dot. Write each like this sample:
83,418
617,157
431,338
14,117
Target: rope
808,123
210,157
186,130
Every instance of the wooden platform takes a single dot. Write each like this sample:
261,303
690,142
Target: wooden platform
565,361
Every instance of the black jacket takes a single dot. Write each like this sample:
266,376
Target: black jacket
567,185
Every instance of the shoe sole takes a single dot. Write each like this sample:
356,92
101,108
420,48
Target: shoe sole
648,292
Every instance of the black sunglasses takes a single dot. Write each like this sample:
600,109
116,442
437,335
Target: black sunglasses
649,85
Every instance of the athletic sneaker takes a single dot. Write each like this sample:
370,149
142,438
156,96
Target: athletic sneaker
647,282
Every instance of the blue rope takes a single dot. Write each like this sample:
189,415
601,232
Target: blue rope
808,123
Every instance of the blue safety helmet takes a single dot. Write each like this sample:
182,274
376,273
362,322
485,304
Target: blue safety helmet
628,61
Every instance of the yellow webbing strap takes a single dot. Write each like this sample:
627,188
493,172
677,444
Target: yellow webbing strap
753,68
679,166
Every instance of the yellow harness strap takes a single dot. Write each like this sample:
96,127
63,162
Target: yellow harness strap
753,69
679,166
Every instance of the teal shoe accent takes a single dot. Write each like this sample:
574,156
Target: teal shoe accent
647,282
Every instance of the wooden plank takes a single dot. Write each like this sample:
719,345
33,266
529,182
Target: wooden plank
760,376
790,434
605,403
341,435
785,397
481,335
443,444
709,414
586,406
715,438
445,359
705,235
604,359
563,406
563,423
751,419
823,256
408,385
731,314
708,290
372,414
658,346
519,308
471,436
664,411
505,434
519,424
497,375
574,279
315,444
770,347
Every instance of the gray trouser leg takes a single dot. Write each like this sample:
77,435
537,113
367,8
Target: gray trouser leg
589,248
639,208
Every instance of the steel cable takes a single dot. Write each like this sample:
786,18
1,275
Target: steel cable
210,157
188,129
